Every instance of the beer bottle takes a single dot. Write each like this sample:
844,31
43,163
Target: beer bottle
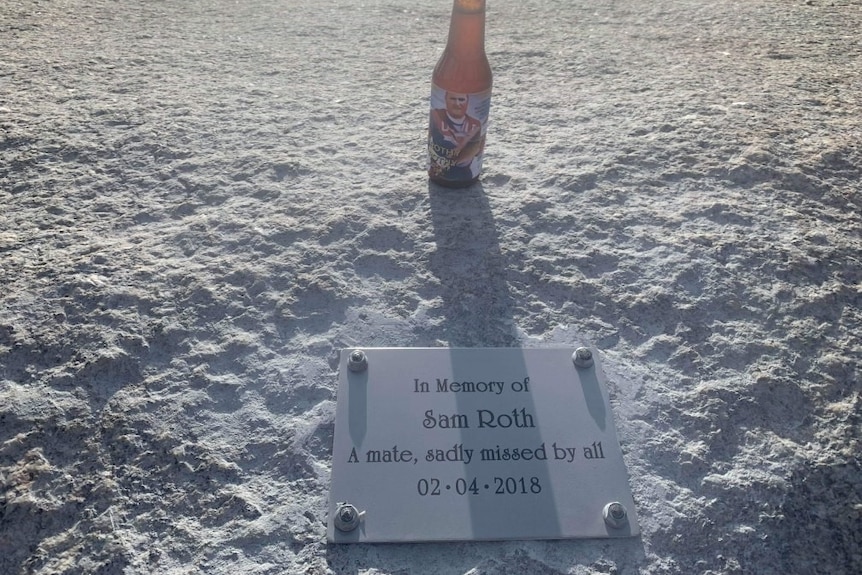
460,99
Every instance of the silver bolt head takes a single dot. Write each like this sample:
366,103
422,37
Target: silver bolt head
357,361
346,517
615,514
583,357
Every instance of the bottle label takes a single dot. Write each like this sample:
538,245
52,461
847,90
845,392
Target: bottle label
456,134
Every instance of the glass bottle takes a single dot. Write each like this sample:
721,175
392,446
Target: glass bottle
460,99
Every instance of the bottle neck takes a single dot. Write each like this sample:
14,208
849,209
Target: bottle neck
467,28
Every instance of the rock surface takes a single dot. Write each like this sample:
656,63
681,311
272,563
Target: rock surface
202,202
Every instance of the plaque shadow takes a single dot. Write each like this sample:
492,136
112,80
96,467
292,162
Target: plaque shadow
358,408
591,387
479,313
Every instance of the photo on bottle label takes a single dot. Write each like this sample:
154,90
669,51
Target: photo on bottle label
456,134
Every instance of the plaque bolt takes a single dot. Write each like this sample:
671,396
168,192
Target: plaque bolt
615,514
347,517
357,361
583,357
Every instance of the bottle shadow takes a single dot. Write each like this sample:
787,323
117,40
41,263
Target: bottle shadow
471,269
479,312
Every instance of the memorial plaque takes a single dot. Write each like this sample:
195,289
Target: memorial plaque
440,444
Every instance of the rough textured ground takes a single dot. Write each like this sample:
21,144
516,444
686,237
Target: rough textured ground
202,201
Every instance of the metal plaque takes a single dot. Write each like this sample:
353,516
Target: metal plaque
439,444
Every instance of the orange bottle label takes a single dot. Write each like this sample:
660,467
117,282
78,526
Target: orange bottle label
456,134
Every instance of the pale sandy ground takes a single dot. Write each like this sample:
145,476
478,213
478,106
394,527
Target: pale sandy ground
203,201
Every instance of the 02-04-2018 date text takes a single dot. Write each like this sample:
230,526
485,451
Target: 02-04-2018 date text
499,486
